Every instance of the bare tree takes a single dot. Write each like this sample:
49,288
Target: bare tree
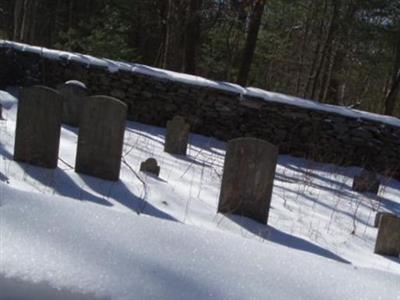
390,100
192,37
251,41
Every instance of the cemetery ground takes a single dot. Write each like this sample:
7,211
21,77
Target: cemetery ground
65,235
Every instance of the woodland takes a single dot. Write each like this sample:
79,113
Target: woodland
342,52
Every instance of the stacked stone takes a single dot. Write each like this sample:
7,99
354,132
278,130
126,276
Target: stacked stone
321,135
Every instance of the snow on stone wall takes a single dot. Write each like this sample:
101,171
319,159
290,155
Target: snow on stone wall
299,127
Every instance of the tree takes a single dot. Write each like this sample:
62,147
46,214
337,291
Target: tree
251,41
394,91
333,51
192,37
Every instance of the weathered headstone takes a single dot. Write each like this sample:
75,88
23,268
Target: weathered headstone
177,136
37,136
388,240
248,177
378,217
366,182
150,165
74,93
101,137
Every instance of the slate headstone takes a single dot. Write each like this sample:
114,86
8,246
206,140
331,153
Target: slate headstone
366,182
378,217
37,136
248,177
74,94
101,137
388,240
150,165
177,137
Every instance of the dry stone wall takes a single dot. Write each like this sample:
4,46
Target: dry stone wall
320,135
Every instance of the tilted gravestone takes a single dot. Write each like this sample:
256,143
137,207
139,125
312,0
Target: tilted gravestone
177,136
378,217
366,182
248,177
101,137
150,165
37,136
74,93
388,240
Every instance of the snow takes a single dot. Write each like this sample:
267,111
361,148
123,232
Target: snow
309,104
64,235
86,248
115,66
76,83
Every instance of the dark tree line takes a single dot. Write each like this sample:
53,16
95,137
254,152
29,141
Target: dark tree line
343,52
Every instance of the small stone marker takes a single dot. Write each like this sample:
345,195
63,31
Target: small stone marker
101,137
150,166
74,93
177,136
366,182
37,136
388,240
378,217
248,177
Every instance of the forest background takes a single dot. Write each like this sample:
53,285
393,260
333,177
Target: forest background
344,52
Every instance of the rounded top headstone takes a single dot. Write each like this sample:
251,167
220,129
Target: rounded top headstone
178,121
254,141
73,87
107,100
151,162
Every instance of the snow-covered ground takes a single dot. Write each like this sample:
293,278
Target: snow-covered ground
68,236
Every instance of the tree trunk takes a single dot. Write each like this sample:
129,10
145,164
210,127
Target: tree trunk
251,42
54,31
174,35
18,11
31,31
310,16
333,92
312,73
391,98
192,38
167,33
327,49
334,86
390,101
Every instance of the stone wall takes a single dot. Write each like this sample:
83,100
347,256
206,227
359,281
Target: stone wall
316,134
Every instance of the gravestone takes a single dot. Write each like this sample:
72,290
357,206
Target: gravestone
378,217
388,240
248,177
366,182
101,137
177,136
150,166
74,93
37,136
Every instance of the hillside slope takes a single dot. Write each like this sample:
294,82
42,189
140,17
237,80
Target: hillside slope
146,237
